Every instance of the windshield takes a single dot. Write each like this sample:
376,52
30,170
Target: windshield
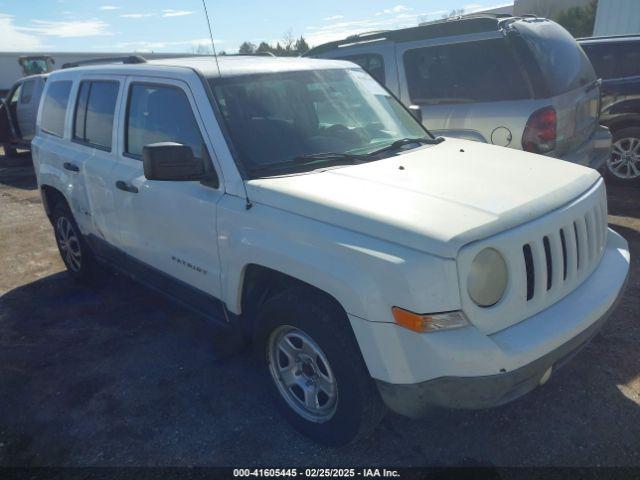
277,119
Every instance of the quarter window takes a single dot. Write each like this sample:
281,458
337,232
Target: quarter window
95,107
372,63
54,108
160,114
464,73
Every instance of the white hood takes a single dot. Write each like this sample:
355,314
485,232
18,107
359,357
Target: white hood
434,199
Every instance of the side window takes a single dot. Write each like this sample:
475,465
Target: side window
470,72
54,108
27,91
16,95
628,59
96,105
160,114
603,59
373,63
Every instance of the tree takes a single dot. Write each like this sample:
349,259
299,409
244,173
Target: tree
290,47
456,12
301,46
247,48
579,21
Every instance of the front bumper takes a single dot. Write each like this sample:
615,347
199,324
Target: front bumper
594,152
413,400
465,368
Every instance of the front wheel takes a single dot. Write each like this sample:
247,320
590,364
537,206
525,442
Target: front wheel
316,371
623,166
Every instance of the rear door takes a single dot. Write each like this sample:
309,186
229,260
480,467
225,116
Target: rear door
27,107
93,127
568,81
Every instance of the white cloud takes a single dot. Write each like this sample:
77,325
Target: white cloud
176,13
334,17
12,39
137,15
316,35
396,9
68,29
109,7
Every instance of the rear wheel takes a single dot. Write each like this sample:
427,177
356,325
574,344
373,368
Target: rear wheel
623,166
9,151
75,253
315,369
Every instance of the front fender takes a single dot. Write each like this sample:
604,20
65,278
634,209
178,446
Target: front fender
365,275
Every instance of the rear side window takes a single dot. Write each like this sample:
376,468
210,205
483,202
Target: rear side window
27,91
615,60
54,108
160,114
482,71
371,62
95,107
563,64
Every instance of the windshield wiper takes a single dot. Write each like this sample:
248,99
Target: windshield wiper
330,159
398,144
312,157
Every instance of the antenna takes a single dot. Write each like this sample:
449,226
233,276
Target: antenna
213,46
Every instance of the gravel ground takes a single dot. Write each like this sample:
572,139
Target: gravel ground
117,375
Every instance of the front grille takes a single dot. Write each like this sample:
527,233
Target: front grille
548,258
564,254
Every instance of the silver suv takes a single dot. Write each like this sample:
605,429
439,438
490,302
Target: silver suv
519,82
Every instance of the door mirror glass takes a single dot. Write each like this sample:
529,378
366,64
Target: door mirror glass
171,161
416,111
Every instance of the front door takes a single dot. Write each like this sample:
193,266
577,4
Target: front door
167,225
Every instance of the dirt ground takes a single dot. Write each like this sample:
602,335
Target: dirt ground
117,375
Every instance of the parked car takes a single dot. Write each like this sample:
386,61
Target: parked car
18,113
298,202
517,82
617,61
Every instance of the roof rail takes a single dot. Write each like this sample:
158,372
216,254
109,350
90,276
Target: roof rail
606,37
96,61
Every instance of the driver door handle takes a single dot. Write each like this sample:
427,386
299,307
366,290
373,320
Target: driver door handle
72,167
126,187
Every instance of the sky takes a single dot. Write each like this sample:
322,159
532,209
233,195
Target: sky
180,26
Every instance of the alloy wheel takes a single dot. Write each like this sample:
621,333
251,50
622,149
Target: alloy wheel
69,244
624,162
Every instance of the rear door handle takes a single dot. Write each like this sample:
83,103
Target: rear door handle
126,187
71,167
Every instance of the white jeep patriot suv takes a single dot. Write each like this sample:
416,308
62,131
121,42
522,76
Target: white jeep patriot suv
296,199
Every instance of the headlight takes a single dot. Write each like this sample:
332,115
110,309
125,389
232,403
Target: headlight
488,278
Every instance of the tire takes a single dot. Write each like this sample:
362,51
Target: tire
315,331
74,251
9,151
623,167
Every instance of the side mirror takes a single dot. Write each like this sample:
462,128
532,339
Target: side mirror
416,111
171,161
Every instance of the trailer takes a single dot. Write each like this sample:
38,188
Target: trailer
15,65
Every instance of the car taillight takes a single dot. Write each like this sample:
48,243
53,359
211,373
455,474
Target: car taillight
540,133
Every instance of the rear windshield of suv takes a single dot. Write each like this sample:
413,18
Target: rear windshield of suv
563,64
468,72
